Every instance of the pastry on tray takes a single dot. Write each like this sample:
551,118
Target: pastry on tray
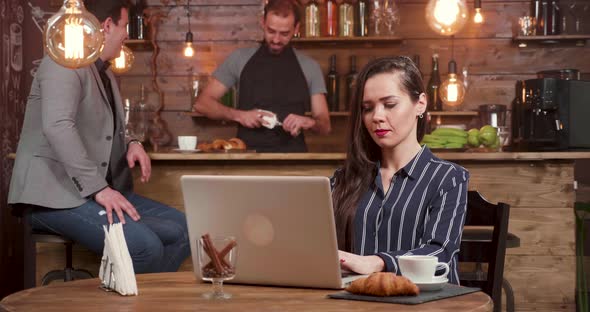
383,284
222,145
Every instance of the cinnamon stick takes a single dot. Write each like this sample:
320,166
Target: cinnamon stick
222,255
212,253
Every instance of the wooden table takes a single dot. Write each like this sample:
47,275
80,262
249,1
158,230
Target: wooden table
181,292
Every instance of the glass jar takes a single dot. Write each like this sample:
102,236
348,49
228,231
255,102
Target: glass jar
329,20
312,19
346,19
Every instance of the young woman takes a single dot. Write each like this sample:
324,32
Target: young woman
393,197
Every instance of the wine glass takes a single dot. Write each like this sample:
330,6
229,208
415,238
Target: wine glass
390,16
578,11
375,17
136,120
217,261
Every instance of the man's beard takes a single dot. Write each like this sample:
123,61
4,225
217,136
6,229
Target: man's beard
278,50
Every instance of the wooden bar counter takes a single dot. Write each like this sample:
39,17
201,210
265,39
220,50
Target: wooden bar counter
539,187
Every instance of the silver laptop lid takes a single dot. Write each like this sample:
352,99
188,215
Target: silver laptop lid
284,226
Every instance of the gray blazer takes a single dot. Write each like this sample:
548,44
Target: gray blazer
68,140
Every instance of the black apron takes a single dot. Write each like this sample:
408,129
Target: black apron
275,83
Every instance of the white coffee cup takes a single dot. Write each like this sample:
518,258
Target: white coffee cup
187,142
421,269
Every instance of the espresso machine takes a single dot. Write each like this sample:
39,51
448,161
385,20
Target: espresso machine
551,114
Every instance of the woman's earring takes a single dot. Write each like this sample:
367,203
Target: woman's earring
421,116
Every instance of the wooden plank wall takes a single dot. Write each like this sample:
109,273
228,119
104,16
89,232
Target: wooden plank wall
493,61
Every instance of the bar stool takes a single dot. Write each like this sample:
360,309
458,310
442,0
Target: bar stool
31,238
68,273
485,235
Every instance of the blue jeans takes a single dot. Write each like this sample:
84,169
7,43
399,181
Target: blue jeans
158,242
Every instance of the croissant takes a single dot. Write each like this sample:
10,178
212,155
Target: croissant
383,284
205,147
221,144
237,143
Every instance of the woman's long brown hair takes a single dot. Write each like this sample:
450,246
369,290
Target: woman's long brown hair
359,168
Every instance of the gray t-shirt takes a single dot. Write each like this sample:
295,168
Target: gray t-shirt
229,72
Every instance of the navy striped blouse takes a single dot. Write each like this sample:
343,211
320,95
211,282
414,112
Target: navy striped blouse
422,213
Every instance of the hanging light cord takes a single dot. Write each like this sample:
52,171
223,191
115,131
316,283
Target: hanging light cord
188,15
452,47
452,63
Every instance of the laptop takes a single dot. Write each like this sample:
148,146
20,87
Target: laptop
284,227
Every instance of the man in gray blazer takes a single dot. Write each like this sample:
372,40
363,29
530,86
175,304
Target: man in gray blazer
73,159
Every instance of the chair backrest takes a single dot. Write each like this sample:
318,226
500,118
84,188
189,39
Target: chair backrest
483,248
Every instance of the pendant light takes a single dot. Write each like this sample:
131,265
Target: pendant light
123,62
73,37
446,17
188,42
478,17
452,90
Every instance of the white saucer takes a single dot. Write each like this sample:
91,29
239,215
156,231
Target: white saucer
435,284
186,150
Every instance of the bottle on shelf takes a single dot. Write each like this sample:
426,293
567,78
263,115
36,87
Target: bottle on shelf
416,60
537,13
137,21
329,18
361,18
350,79
312,19
555,18
346,19
333,85
517,103
434,100
549,17
131,32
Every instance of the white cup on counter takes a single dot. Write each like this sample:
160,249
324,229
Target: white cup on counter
187,142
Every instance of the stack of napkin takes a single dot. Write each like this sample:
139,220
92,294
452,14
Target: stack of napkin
116,269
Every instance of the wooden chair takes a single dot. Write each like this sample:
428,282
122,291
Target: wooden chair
480,212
